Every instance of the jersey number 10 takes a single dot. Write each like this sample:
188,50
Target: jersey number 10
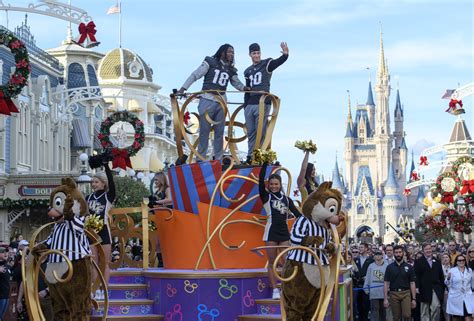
256,79
220,78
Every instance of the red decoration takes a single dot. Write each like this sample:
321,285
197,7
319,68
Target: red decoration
453,105
120,158
448,197
407,192
296,193
414,176
87,31
467,187
19,78
6,105
423,161
186,117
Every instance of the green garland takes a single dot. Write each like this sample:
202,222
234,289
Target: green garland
9,203
19,78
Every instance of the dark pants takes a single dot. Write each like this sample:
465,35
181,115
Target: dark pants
363,306
3,307
377,310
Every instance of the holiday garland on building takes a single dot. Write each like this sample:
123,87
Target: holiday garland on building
19,78
23,203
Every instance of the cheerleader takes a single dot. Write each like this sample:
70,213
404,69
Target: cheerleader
277,206
306,180
100,201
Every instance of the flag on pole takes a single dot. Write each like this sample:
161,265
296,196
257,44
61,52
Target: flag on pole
114,9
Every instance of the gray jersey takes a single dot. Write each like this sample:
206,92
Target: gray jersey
258,77
218,75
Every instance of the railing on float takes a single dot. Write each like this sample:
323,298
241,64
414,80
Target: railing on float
124,227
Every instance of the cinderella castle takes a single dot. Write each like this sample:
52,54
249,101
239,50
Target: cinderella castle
375,156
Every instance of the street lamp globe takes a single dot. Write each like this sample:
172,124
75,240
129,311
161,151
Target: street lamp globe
131,173
83,157
140,175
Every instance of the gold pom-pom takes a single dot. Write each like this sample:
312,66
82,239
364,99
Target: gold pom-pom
306,145
263,156
94,222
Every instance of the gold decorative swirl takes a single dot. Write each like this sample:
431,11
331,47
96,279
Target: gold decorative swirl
234,200
181,132
30,269
235,222
178,118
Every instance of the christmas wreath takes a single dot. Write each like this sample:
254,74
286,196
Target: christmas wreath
464,168
447,185
19,78
121,156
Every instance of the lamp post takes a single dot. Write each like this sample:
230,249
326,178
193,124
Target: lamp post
84,180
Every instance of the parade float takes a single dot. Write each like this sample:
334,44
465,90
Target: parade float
215,266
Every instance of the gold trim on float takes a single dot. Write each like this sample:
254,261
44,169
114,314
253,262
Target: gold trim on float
30,269
182,132
328,289
204,275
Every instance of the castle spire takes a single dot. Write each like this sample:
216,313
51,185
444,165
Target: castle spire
382,65
336,177
370,96
349,123
398,104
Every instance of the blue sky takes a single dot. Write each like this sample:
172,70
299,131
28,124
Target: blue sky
428,46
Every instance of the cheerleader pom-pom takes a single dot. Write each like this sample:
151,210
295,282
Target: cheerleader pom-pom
263,156
94,222
306,146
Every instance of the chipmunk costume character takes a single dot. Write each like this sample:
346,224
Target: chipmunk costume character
71,299
301,294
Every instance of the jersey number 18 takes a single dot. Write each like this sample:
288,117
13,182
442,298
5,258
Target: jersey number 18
220,78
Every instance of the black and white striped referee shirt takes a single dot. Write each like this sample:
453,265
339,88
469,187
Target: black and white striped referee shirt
69,237
306,227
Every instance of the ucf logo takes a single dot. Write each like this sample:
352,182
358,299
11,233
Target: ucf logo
96,207
279,206
379,275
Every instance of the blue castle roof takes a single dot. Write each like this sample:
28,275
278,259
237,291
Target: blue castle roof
370,97
364,173
362,113
336,178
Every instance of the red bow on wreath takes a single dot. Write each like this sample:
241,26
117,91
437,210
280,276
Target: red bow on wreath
120,158
296,193
407,192
423,161
414,176
467,187
87,31
7,106
448,197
